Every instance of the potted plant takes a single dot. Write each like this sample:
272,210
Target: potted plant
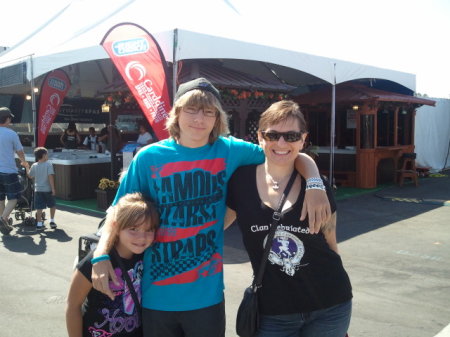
106,192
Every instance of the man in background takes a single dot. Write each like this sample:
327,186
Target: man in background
9,181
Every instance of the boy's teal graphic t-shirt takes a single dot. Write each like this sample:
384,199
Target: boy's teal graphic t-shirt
183,269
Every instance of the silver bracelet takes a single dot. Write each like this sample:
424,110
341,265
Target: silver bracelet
315,187
314,180
314,184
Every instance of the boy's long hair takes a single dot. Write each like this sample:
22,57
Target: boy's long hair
132,209
199,99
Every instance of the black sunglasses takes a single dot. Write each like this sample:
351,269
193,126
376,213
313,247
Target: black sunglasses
290,137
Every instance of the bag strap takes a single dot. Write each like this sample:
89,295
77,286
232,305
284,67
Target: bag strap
127,279
275,219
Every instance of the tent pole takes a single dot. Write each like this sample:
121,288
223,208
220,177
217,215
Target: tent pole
111,135
175,64
332,128
33,103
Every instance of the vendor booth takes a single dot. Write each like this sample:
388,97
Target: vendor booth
374,129
77,172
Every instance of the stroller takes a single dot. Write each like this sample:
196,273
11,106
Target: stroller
24,207
87,243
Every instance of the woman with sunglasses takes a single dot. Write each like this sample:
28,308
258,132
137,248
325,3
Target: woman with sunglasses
305,290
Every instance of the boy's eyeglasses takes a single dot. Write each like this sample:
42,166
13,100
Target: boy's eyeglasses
290,137
195,111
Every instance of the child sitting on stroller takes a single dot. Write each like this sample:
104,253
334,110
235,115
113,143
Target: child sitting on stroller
44,187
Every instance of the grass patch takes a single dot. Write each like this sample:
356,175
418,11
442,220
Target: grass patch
348,192
84,204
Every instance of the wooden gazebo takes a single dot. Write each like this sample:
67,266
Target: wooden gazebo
373,129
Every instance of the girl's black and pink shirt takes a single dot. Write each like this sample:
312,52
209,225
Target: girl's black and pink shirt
103,317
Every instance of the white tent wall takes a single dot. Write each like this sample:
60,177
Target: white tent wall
73,36
432,135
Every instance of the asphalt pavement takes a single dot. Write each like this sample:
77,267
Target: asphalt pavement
395,245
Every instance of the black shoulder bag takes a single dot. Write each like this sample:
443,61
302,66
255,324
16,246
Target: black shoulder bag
247,320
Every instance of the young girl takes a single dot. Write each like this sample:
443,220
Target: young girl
90,313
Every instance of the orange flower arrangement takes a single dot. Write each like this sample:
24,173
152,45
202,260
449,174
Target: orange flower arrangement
247,94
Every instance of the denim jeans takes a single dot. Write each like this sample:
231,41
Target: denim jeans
10,186
330,322
42,200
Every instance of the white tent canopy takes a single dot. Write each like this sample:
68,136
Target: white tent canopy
432,135
73,36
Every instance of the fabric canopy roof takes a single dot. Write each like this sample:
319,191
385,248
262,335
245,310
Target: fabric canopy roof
224,77
356,93
218,75
73,36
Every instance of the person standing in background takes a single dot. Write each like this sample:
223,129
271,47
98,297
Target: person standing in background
43,175
70,139
91,140
110,139
9,181
145,137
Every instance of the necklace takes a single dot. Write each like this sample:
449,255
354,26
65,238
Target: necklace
275,185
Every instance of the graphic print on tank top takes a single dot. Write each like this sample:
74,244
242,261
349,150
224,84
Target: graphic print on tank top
188,194
119,316
287,251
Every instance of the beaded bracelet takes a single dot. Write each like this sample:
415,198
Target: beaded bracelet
315,184
99,258
315,187
314,180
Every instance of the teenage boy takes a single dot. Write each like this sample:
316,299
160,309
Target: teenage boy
44,187
186,175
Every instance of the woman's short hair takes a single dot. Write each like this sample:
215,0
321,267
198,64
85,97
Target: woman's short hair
281,111
133,209
201,100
